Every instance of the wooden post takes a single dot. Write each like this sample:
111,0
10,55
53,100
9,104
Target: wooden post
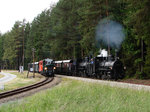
28,70
28,74
33,50
142,54
23,44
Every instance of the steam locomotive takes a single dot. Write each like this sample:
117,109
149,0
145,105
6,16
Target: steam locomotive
45,67
102,66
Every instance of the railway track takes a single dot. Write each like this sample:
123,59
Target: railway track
25,89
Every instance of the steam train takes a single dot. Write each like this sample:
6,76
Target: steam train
101,66
45,67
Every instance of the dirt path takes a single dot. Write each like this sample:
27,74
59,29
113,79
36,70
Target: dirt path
7,77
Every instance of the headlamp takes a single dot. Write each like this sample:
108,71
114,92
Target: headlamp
45,68
125,68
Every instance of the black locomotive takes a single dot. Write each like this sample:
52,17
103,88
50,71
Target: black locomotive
102,66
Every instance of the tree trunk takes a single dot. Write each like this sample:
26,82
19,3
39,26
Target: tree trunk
142,55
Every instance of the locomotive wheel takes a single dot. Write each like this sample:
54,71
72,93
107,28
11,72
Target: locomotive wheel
103,77
98,76
80,74
94,75
108,77
84,74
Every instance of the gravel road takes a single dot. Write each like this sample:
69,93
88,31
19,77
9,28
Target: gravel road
7,77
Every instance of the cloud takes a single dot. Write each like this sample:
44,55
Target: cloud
13,10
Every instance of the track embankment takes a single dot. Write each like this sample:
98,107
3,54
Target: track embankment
111,83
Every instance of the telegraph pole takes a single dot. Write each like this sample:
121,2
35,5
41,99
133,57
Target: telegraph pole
23,45
23,24
33,51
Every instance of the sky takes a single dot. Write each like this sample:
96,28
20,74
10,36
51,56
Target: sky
17,10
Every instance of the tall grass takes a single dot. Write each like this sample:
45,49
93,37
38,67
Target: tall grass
77,96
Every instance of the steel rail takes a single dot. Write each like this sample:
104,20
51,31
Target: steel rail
27,88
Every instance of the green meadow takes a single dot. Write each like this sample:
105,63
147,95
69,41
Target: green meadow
78,96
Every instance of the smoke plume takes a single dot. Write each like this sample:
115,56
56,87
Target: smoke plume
110,32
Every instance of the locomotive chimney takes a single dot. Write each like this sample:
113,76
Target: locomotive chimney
116,54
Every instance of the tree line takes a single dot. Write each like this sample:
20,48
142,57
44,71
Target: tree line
67,31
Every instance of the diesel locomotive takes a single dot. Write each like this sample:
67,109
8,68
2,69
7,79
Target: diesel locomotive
44,67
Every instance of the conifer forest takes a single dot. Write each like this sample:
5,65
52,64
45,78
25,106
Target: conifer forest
70,29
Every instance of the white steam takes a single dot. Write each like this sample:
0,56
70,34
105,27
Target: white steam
110,32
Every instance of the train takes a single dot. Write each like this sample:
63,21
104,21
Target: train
102,66
44,67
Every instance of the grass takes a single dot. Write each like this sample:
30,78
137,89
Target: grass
1,75
77,96
20,81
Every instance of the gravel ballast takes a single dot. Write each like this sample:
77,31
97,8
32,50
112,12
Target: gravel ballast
111,83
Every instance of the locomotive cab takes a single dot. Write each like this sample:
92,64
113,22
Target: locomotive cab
118,69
